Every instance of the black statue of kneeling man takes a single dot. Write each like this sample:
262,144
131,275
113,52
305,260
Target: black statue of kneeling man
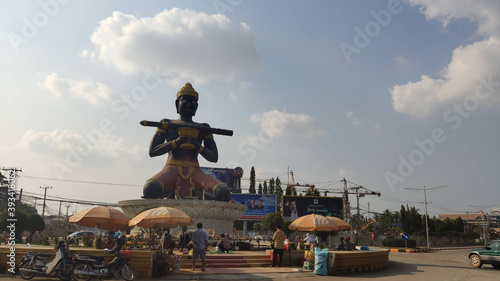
182,176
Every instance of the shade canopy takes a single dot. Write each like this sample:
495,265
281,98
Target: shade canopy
162,217
312,222
105,218
340,224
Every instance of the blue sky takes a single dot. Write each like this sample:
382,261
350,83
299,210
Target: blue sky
388,94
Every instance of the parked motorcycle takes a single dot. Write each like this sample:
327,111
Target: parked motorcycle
88,267
38,263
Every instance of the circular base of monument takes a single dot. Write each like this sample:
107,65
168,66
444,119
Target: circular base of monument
216,216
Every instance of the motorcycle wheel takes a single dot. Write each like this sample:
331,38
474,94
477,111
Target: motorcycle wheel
27,265
65,274
126,272
81,267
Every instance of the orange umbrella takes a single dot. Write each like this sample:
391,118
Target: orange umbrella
312,222
164,217
340,224
105,218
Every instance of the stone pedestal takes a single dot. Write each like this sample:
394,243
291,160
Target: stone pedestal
215,215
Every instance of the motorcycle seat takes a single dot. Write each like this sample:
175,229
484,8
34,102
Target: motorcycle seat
42,255
96,259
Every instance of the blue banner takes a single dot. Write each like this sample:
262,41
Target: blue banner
258,205
231,177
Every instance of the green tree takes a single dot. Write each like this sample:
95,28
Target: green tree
264,188
35,222
415,220
288,190
312,192
252,181
260,188
259,228
279,194
270,221
386,220
403,219
20,225
271,186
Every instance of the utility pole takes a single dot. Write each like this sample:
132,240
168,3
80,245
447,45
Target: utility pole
44,197
484,225
67,210
59,216
425,204
347,209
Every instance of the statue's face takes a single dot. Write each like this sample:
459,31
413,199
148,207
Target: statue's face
187,105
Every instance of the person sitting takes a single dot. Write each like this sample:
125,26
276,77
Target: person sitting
223,244
342,244
348,245
168,243
38,237
310,239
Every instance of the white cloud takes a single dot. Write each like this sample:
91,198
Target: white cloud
92,92
355,121
360,122
277,123
469,64
401,63
185,44
60,143
484,12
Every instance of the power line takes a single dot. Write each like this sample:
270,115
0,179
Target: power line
89,182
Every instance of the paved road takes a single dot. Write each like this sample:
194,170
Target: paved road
448,265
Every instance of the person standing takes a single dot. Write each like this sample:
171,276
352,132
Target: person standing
279,242
200,243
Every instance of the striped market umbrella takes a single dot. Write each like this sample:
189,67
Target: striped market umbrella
105,218
340,224
162,217
312,222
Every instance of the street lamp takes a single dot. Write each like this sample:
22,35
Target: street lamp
425,204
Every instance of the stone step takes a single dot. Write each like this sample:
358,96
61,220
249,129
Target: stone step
229,261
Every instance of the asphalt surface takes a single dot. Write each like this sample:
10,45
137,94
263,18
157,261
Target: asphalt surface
438,265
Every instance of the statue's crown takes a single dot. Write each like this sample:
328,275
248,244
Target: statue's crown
187,90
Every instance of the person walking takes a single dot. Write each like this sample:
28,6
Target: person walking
279,242
200,243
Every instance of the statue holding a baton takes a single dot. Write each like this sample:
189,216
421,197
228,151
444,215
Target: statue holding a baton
184,140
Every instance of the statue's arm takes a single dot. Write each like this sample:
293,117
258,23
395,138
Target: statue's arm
209,148
158,146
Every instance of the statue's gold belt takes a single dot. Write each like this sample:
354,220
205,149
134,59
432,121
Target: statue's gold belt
183,163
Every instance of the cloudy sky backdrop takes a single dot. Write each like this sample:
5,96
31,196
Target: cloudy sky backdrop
387,94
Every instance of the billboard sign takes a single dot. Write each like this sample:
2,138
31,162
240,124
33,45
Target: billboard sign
258,205
298,206
231,177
